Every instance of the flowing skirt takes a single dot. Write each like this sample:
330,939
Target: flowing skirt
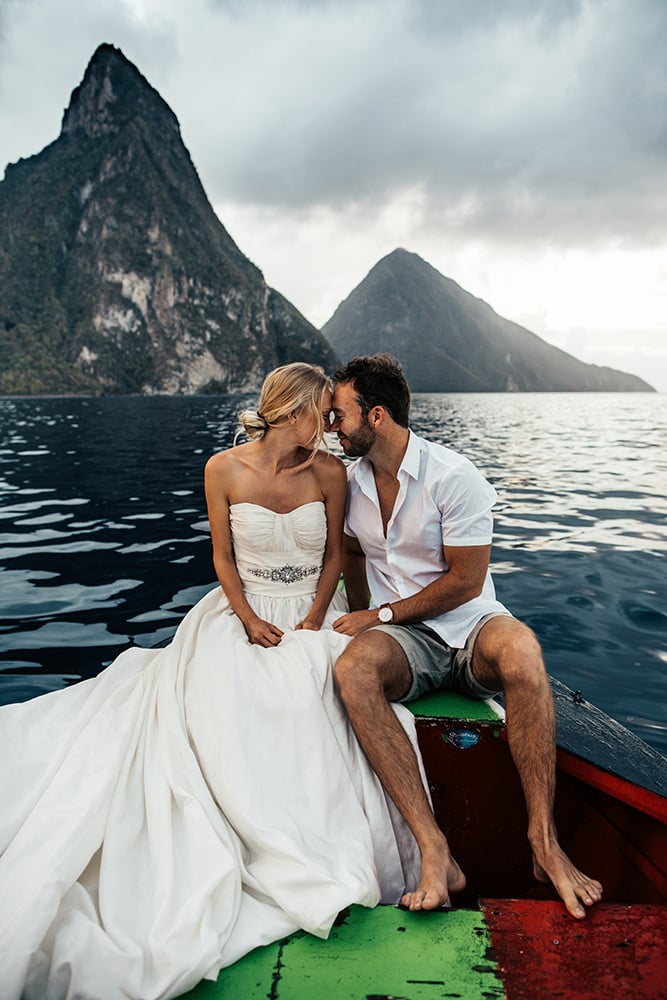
185,806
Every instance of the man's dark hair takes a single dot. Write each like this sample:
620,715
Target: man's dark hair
378,381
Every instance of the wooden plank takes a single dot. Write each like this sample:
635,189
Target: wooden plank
589,734
371,954
617,951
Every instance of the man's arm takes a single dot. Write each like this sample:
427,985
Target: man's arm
463,581
354,574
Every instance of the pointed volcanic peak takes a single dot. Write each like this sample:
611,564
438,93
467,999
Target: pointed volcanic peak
115,273
450,341
112,93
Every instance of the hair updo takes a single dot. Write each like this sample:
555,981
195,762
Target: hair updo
253,423
288,389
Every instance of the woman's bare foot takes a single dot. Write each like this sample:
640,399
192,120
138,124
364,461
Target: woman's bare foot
440,875
573,887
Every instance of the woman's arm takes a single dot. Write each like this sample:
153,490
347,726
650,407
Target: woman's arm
217,477
332,479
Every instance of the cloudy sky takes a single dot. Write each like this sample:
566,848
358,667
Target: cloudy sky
519,146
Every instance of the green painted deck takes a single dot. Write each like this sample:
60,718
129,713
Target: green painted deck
449,705
369,955
381,953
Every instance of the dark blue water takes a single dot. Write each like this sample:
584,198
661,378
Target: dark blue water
104,538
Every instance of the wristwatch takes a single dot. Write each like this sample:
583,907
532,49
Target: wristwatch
385,614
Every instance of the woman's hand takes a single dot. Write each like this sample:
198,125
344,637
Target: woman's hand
262,633
310,624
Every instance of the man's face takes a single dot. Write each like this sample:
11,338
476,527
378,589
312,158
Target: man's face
351,426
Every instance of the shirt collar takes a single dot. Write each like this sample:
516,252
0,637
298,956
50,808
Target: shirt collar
409,465
411,459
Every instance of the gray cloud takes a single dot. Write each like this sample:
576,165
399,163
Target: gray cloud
520,121
523,115
518,146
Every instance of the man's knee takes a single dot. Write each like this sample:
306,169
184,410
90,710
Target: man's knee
372,665
356,674
511,651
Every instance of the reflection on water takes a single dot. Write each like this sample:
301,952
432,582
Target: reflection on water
104,538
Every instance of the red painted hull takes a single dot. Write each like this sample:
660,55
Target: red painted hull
612,824
618,951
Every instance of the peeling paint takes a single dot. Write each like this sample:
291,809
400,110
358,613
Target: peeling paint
274,992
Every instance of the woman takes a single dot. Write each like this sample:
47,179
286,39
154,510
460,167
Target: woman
189,804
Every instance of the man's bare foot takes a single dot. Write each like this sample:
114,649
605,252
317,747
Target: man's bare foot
573,887
440,875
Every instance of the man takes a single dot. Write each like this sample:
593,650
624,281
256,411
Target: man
423,615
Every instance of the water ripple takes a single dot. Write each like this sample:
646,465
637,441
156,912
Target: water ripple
579,553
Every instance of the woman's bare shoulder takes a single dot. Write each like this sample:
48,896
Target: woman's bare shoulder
224,462
329,468
327,460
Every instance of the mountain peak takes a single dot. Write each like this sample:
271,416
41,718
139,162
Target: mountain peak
450,341
112,92
115,273
399,256
400,253
404,265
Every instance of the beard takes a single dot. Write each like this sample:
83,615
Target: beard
359,442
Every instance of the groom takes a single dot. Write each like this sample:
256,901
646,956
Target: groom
417,549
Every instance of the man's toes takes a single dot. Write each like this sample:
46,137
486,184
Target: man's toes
412,900
595,890
432,900
417,901
591,892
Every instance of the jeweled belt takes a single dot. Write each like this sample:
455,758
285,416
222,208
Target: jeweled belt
283,574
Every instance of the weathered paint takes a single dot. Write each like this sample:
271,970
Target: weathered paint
448,704
611,828
478,802
617,952
591,735
612,825
648,802
370,955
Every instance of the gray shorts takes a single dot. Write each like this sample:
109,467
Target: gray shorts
434,665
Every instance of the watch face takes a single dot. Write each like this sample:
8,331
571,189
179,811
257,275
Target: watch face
385,614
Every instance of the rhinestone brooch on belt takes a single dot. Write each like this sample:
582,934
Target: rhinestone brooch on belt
284,574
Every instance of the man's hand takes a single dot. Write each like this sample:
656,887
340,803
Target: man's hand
356,622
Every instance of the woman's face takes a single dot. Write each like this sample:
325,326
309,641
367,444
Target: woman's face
307,426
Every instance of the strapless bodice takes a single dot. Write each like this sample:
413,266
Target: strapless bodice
278,554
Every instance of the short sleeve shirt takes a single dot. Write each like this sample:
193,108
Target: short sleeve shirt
442,501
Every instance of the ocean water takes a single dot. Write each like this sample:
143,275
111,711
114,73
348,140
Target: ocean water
104,539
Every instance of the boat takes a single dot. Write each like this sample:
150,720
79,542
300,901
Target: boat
507,935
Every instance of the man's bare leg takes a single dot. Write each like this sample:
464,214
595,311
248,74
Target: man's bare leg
508,655
370,673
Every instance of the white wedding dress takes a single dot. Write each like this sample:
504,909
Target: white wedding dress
190,803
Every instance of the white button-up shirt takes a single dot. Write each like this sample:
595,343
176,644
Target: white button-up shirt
442,500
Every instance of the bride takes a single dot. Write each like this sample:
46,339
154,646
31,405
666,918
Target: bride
191,803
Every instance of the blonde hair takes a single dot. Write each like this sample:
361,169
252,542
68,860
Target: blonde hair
288,389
